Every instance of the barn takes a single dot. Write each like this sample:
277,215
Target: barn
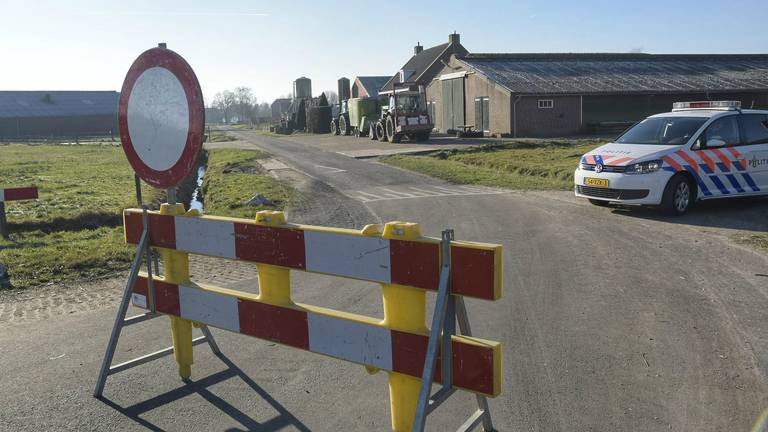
566,94
45,114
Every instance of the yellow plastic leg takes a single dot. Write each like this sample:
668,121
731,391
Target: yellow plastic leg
176,266
404,309
274,282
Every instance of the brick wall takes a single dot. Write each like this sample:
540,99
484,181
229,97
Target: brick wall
562,119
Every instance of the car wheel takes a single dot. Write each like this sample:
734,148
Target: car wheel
599,203
678,196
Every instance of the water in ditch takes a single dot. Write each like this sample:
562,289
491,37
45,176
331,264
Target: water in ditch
197,195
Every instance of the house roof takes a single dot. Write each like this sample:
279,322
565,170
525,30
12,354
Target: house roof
607,73
421,62
281,101
372,84
57,103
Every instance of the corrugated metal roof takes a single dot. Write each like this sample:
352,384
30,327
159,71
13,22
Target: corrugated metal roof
15,104
623,73
372,84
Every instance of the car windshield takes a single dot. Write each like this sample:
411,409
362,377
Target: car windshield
662,131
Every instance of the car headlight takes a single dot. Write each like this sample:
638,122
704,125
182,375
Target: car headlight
644,167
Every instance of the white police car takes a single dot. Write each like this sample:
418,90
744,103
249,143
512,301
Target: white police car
700,150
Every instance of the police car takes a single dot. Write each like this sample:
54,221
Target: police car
700,150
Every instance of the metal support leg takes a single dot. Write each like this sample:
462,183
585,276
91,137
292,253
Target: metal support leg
448,310
118,325
209,338
438,321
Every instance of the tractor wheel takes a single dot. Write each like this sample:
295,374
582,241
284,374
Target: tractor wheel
334,128
392,136
343,126
381,133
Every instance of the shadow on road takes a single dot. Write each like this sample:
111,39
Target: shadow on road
746,214
200,387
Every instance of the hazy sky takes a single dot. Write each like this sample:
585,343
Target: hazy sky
89,45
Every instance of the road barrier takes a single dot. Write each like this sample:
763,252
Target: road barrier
13,194
405,263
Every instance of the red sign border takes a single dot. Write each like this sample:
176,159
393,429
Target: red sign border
173,62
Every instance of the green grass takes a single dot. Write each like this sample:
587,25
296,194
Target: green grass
233,177
516,165
219,136
75,229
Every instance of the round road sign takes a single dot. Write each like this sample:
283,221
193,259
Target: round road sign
161,117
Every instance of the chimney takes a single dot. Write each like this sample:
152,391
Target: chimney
454,38
418,49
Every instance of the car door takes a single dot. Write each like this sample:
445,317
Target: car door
719,148
754,151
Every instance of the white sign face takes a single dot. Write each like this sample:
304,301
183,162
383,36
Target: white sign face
158,118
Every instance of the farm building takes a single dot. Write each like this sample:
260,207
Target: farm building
426,64
565,94
280,107
36,114
368,86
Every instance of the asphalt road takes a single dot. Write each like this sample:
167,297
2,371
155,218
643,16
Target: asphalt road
610,320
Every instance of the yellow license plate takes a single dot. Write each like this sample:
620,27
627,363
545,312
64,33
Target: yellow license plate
589,181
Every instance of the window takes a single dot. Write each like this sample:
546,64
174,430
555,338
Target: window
755,128
482,114
546,103
662,131
724,130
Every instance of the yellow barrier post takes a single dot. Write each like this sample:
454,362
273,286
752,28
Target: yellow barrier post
404,309
176,271
274,282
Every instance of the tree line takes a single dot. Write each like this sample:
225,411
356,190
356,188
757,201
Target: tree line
240,106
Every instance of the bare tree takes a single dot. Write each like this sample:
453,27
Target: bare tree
332,96
244,100
224,101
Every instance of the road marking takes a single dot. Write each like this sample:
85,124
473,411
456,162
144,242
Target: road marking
391,194
330,170
396,193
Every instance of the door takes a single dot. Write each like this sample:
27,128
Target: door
453,103
722,153
754,151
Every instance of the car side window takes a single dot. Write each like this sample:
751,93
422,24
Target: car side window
755,128
723,132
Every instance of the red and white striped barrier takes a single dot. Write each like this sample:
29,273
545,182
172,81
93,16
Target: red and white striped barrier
18,194
476,364
338,252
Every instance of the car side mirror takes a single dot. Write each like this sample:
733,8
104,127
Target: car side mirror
714,143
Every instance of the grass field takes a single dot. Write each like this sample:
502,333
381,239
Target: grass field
233,177
74,229
516,165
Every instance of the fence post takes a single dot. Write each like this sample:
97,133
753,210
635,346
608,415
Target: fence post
3,221
176,271
404,309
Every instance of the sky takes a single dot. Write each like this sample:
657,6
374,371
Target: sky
265,45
